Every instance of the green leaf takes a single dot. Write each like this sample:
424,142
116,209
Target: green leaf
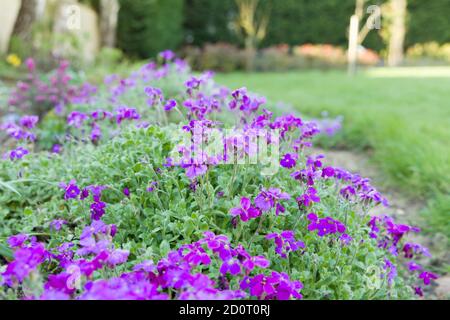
8,186
6,252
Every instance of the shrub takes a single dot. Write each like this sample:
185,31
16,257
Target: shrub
38,95
429,52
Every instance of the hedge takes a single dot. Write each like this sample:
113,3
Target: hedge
302,21
147,27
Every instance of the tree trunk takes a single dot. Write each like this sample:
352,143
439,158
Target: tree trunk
27,16
397,32
352,54
109,11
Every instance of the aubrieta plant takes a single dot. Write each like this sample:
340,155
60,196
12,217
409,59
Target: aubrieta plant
131,202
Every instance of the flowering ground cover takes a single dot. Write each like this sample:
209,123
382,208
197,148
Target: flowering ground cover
166,185
399,115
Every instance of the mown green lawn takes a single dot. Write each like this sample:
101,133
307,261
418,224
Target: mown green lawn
401,115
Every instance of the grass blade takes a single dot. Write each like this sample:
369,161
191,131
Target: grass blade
9,187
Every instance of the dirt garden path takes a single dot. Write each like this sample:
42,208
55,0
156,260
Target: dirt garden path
402,208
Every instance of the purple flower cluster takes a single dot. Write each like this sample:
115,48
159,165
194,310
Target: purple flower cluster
72,191
268,199
124,113
233,260
20,132
246,211
312,172
277,286
289,160
389,235
41,95
174,276
359,187
80,267
325,226
285,243
244,102
307,199
28,255
16,154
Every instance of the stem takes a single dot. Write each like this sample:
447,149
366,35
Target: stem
258,229
233,177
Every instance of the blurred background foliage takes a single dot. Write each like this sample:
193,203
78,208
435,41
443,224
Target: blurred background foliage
147,27
293,34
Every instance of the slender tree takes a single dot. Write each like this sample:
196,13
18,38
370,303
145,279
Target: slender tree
397,32
357,34
251,23
25,20
109,14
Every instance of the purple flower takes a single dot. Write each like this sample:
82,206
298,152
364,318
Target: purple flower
26,260
147,266
289,160
418,291
267,199
127,287
286,123
117,256
96,192
285,243
193,83
276,286
412,266
328,172
427,276
345,239
57,224
264,202
194,170
126,192
96,132
29,122
308,198
97,210
195,254
246,211
72,190
411,249
155,95
260,285
18,153
392,270
152,186
126,113
325,226
30,64
56,148
245,103
170,105
84,194
17,240
232,266
76,119
167,55
218,244
248,262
